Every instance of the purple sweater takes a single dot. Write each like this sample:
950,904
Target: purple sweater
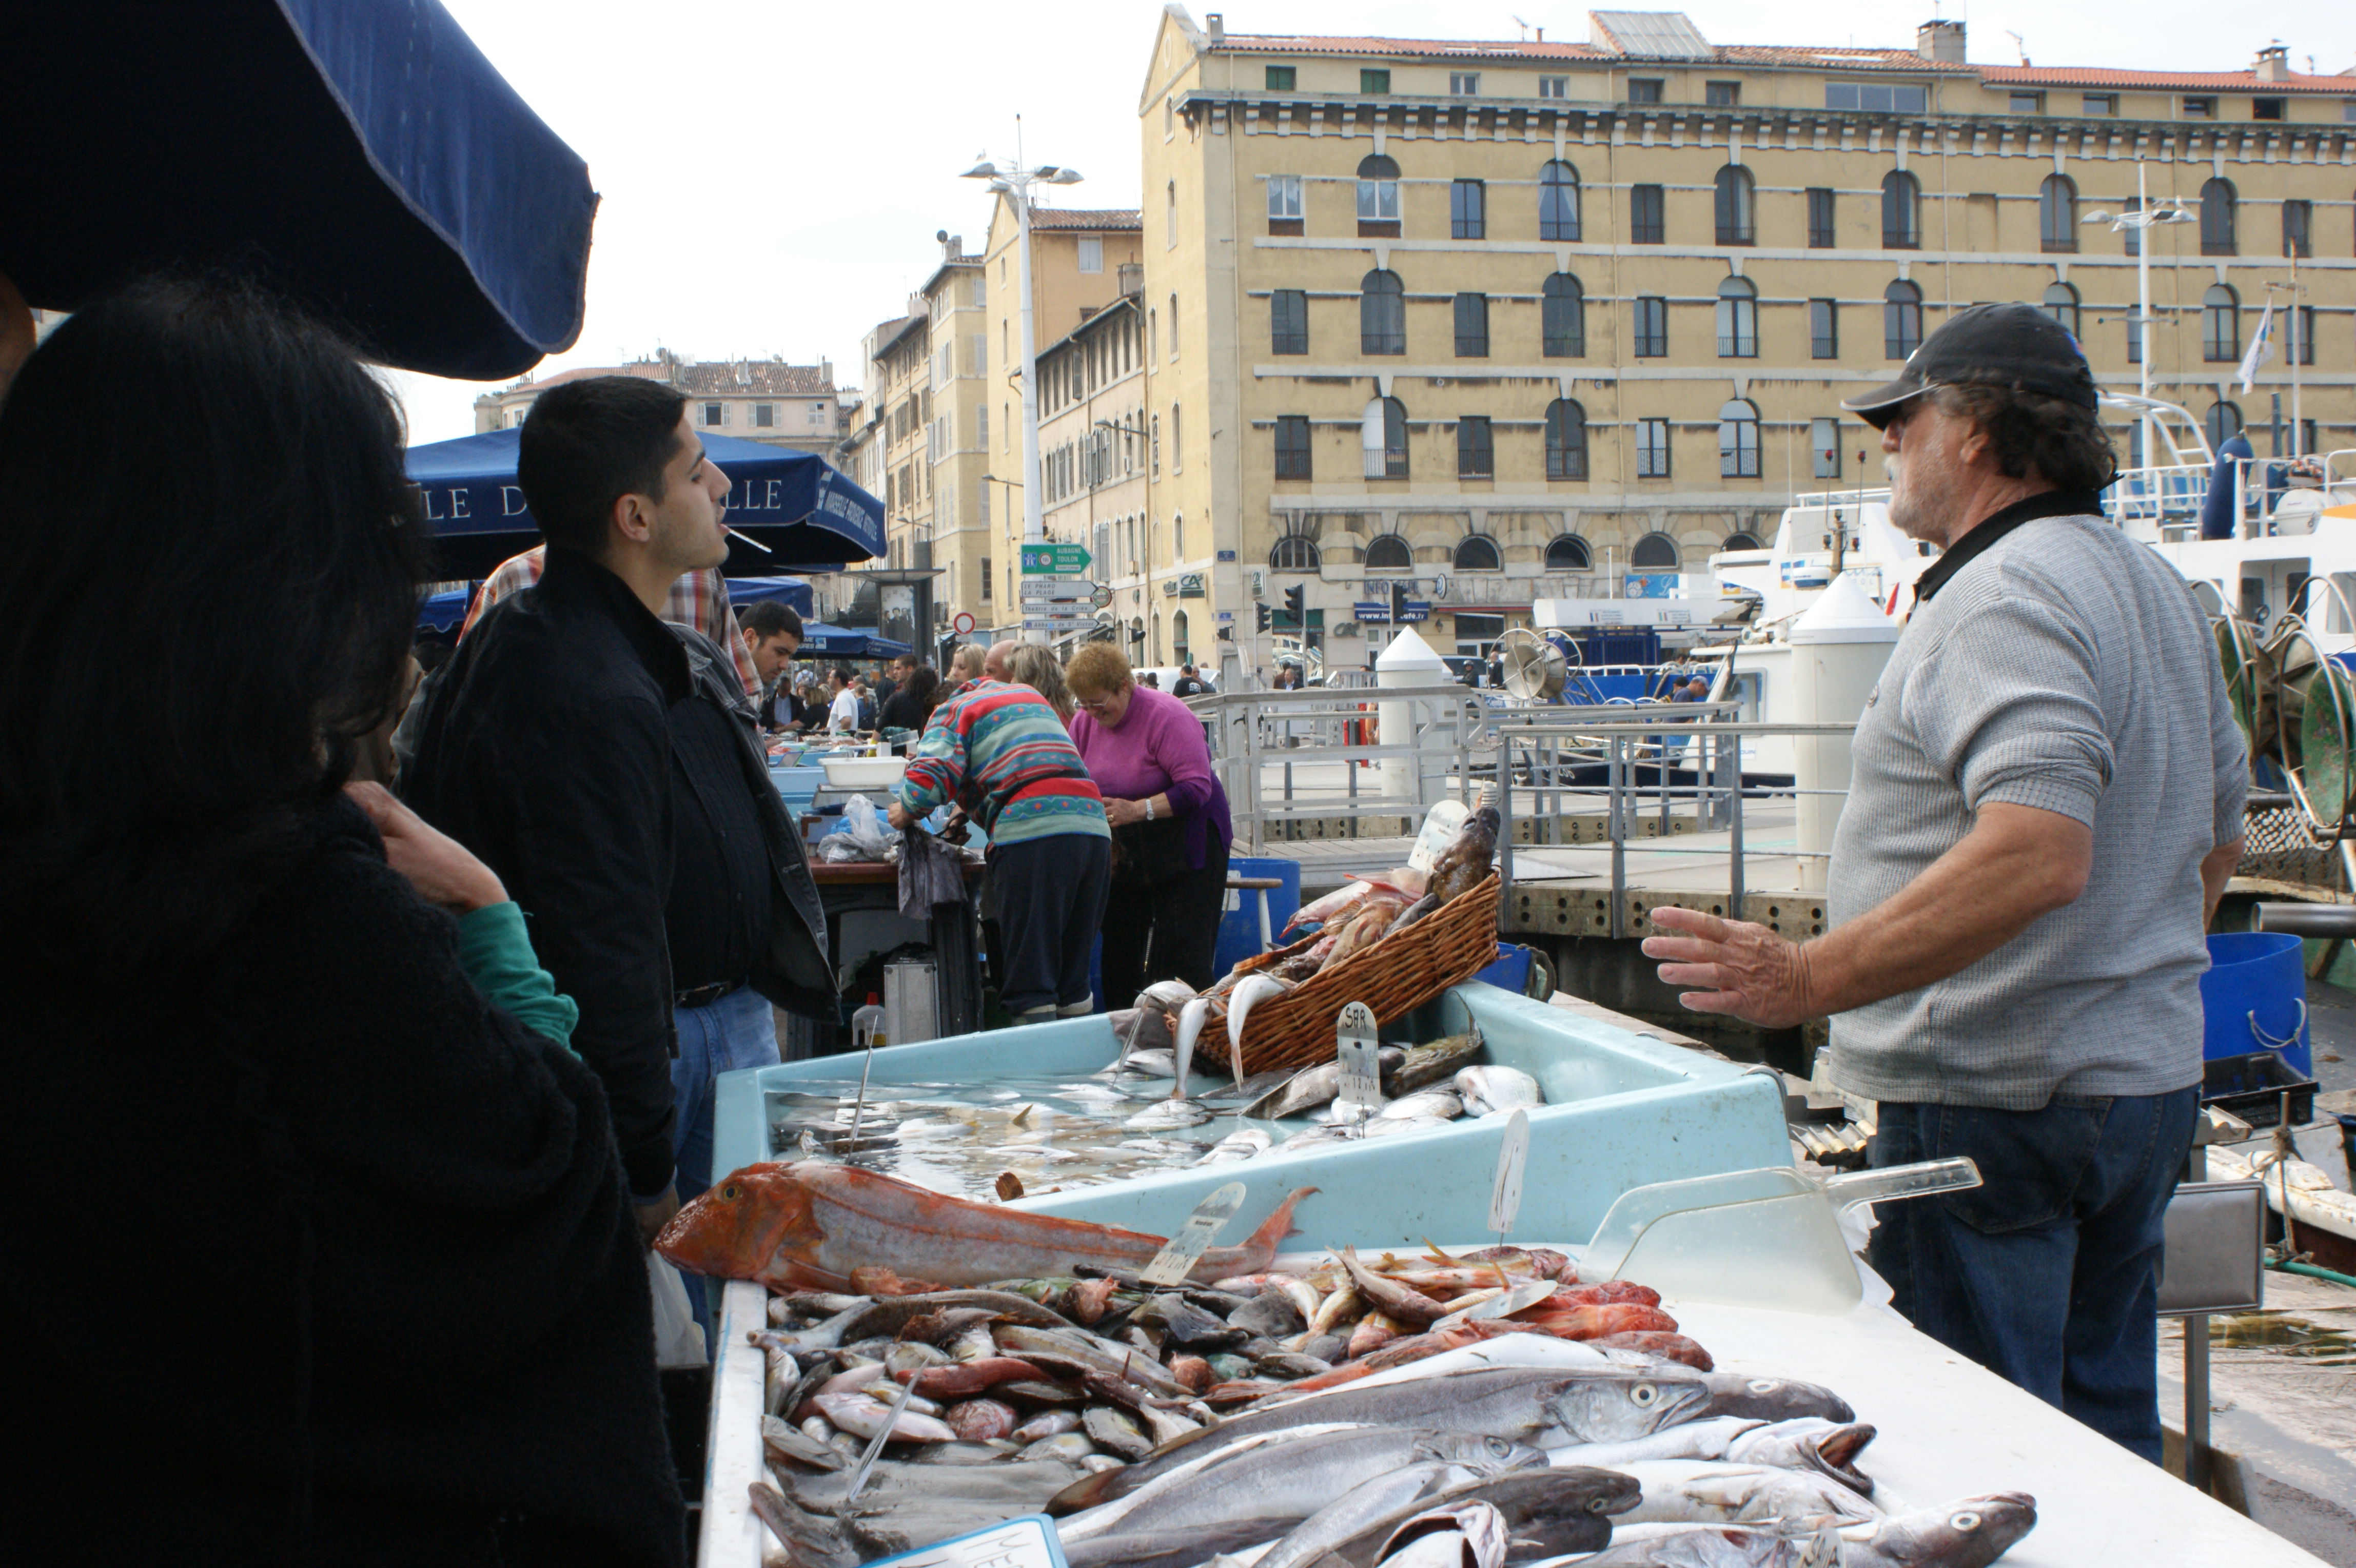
1156,749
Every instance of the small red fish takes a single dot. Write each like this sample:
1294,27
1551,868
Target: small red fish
1589,1322
968,1377
1675,1347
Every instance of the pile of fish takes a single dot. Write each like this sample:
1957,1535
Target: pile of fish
935,1367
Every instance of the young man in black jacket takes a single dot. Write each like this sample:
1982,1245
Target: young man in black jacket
597,759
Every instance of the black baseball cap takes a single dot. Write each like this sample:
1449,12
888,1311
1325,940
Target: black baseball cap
2015,345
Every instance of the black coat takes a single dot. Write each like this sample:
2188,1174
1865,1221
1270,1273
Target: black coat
547,752
334,1254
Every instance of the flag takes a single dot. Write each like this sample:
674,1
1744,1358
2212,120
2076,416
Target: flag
2261,347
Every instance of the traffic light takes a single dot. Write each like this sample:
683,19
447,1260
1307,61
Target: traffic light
1296,604
1263,616
1398,604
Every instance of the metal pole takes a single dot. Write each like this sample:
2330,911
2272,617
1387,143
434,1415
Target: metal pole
1619,840
2196,1367
2143,309
1034,528
1734,837
1504,826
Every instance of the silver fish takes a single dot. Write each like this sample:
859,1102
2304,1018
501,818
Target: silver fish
1380,1501
1060,1445
1967,1533
1399,1126
1191,1021
1487,1090
1253,989
1434,1063
1116,1430
1050,1425
1441,1103
1167,1115
1148,1064
1705,1491
1808,1443
1242,1143
1473,1533
1773,1399
863,1416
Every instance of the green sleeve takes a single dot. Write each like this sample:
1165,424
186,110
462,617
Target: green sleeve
496,952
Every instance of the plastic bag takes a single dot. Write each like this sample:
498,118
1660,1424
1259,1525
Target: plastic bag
863,835
931,873
678,1341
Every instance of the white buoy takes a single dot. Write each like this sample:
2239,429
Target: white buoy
1838,648
1407,661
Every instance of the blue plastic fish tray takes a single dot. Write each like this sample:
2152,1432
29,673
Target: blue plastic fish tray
1622,1110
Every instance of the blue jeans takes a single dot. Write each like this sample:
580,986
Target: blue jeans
2049,1275
736,1032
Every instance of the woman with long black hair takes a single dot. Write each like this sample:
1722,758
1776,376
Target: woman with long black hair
311,1210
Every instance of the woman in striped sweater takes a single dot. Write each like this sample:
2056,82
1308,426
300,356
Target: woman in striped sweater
1000,751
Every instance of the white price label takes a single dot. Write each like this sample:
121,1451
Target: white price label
1359,1058
1506,1195
1026,1542
1183,1251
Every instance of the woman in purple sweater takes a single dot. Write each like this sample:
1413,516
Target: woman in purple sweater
1171,826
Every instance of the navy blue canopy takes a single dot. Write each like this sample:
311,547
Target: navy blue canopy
821,640
445,611
794,593
794,503
360,155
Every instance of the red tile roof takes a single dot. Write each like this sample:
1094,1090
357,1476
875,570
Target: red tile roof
1106,218
2187,80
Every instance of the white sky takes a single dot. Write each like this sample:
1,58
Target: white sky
773,171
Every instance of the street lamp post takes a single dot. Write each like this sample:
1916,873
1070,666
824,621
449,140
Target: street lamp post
2141,222
1013,181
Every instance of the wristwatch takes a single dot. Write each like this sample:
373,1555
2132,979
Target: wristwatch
1149,808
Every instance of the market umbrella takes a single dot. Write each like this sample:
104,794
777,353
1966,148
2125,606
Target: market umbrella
360,156
794,593
821,640
793,502
442,613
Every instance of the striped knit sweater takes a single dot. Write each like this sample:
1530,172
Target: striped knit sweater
1000,751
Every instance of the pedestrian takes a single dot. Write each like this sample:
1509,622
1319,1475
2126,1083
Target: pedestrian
2046,805
1188,683
889,682
773,632
842,701
1171,824
1033,664
607,765
697,599
905,708
999,752
1153,681
381,1193
967,664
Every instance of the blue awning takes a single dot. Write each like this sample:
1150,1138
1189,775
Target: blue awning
360,156
794,503
794,593
820,640
444,612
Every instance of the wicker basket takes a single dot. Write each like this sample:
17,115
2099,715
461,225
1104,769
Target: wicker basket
1394,977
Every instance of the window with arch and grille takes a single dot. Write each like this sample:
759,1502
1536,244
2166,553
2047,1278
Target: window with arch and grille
2062,303
1655,553
1566,440
1558,203
1738,319
1476,452
1292,461
1737,440
1294,552
1901,211
1478,552
2220,324
1562,318
1383,439
1734,202
1382,314
2218,202
1568,552
1389,552
1378,196
2057,215
1740,541
1901,319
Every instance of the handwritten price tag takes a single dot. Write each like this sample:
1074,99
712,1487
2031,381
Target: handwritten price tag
1183,1251
1360,1059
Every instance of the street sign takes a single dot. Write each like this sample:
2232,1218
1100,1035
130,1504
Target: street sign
1058,623
1100,597
1060,560
964,624
1381,610
1064,590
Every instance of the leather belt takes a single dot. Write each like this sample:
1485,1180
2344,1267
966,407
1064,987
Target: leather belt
705,996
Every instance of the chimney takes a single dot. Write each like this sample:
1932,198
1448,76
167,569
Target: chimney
1940,41
826,371
2273,63
1217,24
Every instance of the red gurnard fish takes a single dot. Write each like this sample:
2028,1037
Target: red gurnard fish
805,1226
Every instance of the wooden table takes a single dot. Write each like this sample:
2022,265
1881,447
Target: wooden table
848,886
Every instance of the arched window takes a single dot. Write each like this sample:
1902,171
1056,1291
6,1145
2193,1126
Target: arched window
1740,541
1737,440
2222,422
1563,317
1382,314
1901,211
1655,553
1566,440
1568,552
1382,438
1901,319
1389,552
1558,203
2220,324
1738,319
1378,198
1478,552
2217,203
2057,214
2062,303
1294,552
1735,224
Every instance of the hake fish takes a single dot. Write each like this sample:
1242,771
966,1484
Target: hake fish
1706,1491
810,1223
1488,1089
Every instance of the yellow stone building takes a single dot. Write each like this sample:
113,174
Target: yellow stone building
1513,319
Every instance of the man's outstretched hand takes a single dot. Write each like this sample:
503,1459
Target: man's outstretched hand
1739,969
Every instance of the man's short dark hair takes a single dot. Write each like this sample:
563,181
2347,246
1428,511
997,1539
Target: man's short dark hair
586,445
842,673
2063,441
767,619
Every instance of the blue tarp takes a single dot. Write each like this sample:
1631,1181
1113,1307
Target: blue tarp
360,155
794,503
821,640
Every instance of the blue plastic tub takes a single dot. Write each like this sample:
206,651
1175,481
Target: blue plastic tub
1623,1110
2255,998
1239,927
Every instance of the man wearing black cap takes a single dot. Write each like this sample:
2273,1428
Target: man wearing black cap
2046,803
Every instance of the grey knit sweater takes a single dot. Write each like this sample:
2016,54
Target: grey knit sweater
2066,668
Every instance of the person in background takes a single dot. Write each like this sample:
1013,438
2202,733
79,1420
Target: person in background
842,701
869,709
908,707
1188,683
699,600
774,632
1153,681
889,681
400,1255
1171,825
966,666
1033,664
999,752
607,766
